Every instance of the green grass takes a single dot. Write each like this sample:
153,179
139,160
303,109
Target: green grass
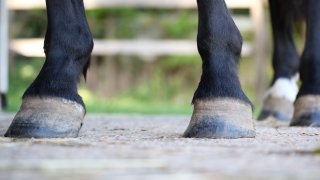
130,104
20,77
169,90
135,100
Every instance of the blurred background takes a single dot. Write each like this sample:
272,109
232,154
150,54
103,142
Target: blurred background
145,58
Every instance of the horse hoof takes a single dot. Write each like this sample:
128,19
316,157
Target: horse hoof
221,118
47,118
307,111
280,109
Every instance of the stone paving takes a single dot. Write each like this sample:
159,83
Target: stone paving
151,147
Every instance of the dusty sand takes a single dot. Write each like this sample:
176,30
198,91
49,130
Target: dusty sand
151,147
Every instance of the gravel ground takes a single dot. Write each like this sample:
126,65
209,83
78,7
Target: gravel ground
151,147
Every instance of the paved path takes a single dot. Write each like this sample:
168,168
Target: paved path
151,147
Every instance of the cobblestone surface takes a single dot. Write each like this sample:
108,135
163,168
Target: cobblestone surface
151,147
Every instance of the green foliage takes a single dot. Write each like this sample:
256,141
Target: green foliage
182,25
156,96
29,24
20,77
167,89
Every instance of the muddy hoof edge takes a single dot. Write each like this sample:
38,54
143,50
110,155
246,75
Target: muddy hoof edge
47,118
221,118
279,108
307,111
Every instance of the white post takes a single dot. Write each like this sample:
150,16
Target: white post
4,51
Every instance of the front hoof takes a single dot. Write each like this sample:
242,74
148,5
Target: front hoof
280,109
47,118
307,111
221,118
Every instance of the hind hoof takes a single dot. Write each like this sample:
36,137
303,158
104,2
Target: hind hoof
307,111
280,109
221,118
47,118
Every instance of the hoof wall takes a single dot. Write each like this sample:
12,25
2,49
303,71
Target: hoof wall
47,118
311,119
213,127
279,116
221,118
307,111
280,109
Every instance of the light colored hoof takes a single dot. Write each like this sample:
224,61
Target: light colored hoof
221,118
307,111
47,117
279,108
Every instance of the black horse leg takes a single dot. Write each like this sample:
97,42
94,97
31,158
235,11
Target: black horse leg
282,93
307,105
51,105
221,109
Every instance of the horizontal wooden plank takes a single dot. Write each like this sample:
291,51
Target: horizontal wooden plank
91,4
138,47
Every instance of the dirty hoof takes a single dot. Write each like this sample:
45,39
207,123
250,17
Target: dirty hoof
307,111
47,118
221,118
280,109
